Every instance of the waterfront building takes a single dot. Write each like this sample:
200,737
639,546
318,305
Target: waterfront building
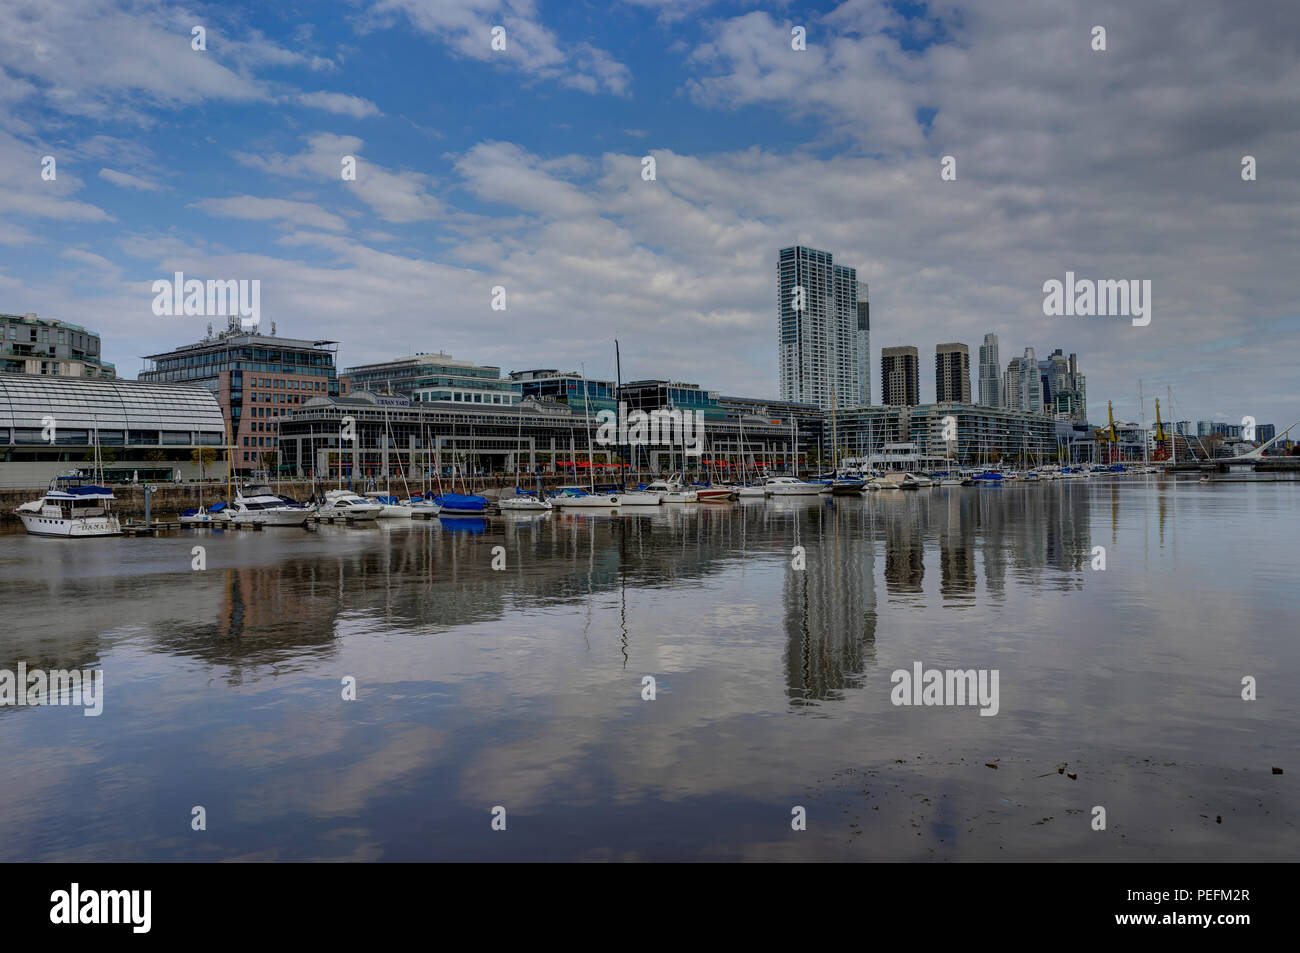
983,433
990,372
952,373
432,377
820,339
258,379
150,432
50,348
900,383
569,388
395,437
1265,432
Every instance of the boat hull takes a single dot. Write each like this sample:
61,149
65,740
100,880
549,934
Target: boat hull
85,528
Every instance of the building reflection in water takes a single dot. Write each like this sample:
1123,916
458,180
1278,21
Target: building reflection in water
830,605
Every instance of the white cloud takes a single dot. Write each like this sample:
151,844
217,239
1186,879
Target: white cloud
257,209
128,181
396,197
466,27
340,103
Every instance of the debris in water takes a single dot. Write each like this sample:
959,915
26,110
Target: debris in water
990,764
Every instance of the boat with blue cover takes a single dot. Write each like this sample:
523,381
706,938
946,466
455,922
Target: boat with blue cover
461,504
77,512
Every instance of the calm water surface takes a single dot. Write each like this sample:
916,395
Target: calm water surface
522,688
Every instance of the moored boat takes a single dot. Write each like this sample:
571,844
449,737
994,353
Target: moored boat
789,486
347,503
77,512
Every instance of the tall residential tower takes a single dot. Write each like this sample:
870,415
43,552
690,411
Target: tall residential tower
900,383
990,372
820,340
952,374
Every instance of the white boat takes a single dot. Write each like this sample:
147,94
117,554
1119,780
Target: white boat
639,498
423,506
78,512
255,503
573,497
524,503
197,517
671,491
789,486
392,507
347,503
750,492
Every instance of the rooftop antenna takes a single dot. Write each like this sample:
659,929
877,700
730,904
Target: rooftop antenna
272,329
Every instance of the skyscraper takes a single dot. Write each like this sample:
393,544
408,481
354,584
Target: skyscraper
819,342
864,342
990,372
900,383
952,373
1022,384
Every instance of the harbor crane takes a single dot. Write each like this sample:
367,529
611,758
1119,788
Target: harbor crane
1161,452
1108,435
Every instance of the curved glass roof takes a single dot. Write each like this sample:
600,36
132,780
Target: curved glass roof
107,404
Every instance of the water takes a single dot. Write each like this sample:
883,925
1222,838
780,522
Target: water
522,688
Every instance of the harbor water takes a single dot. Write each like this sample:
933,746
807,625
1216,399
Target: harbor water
771,631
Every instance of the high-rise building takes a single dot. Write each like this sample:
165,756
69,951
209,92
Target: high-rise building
1062,390
952,373
900,383
43,346
1022,385
990,372
257,379
864,342
819,344
1265,432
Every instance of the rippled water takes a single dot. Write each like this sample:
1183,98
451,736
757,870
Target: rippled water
522,688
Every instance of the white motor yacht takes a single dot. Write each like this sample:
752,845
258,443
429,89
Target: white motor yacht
78,512
789,486
671,491
347,503
256,503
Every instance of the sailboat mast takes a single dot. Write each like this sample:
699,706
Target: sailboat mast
586,412
618,401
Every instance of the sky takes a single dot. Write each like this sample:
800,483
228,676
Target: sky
522,168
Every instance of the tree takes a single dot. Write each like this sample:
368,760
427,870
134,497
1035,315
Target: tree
203,456
269,460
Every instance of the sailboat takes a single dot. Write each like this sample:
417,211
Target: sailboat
522,501
200,516
576,496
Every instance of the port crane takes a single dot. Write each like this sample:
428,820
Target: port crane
1161,452
1108,436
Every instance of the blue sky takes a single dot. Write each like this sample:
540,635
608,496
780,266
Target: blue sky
479,168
